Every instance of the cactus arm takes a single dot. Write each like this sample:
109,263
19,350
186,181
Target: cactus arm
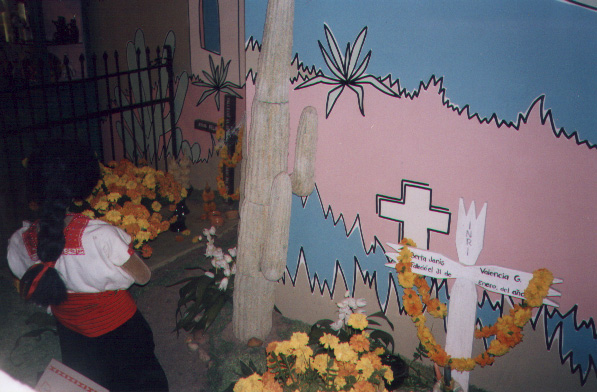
275,251
303,176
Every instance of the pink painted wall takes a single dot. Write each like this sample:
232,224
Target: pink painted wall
541,190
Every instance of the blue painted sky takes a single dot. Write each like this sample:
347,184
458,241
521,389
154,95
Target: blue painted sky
496,56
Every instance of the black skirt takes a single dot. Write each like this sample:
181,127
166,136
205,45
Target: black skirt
121,360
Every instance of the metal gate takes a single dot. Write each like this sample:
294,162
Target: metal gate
120,113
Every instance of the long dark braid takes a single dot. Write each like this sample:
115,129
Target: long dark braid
59,171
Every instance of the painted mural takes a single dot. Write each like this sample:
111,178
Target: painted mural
421,104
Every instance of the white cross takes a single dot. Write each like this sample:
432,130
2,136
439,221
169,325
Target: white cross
462,311
414,212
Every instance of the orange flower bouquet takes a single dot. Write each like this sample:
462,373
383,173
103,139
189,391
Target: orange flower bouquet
131,198
329,365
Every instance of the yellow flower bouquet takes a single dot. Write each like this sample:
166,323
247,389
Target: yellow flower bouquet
330,365
131,198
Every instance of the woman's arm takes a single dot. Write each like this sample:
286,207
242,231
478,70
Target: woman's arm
137,269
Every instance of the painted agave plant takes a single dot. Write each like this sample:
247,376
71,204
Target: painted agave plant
216,82
346,72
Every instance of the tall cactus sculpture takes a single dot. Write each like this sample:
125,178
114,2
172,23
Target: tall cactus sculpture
266,186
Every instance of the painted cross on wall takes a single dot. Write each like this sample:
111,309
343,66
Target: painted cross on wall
415,214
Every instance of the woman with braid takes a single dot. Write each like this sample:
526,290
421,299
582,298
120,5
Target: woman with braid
81,268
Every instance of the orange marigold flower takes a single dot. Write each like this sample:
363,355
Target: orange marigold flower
363,386
439,356
484,359
436,308
359,343
146,251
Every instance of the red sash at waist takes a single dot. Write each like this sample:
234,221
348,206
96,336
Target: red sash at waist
95,314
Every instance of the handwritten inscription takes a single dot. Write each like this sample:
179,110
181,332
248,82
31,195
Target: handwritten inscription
493,278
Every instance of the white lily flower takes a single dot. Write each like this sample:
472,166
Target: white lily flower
228,258
223,284
210,274
233,269
226,271
232,252
212,230
337,325
361,302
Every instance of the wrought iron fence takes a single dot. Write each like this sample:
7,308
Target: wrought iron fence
120,113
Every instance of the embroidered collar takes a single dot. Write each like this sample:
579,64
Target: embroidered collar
73,234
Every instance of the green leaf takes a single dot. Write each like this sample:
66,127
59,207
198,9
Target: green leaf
384,337
382,315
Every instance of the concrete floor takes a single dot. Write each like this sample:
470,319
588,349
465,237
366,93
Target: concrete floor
169,246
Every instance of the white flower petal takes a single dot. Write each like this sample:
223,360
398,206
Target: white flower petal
223,284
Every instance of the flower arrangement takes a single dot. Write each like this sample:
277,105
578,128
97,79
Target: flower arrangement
131,198
223,140
203,297
330,365
507,330
340,328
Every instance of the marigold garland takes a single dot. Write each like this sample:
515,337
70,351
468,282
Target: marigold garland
226,160
507,329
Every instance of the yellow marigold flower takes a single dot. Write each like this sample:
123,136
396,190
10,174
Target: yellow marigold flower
299,339
143,224
122,181
113,216
114,196
406,279
196,239
405,254
149,181
339,382
329,341
463,364
131,184
156,206
521,315
320,363
358,321
365,368
303,358
101,205
142,236
78,203
184,193
359,343
283,348
89,214
379,351
249,384
388,373
497,348
344,353
419,320
129,220
110,179
186,232
136,200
